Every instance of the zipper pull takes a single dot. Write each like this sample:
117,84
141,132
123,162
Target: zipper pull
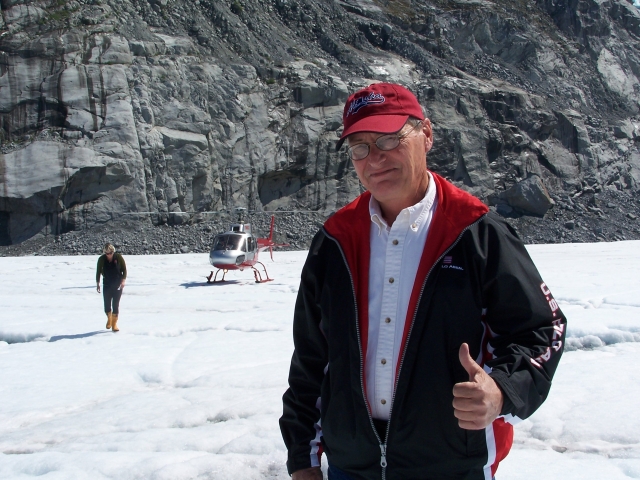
383,458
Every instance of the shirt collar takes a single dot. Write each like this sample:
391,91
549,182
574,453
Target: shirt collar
416,213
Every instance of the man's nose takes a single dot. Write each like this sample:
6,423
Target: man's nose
376,156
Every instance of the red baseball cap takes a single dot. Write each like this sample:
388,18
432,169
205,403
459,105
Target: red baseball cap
379,108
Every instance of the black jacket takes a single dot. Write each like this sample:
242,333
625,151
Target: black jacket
112,272
475,284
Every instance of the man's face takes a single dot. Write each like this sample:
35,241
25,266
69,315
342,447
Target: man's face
396,178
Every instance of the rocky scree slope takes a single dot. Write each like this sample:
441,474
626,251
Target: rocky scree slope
590,217
170,109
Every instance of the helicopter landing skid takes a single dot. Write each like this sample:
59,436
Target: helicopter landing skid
224,272
256,273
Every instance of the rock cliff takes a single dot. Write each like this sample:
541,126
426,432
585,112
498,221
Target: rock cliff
182,107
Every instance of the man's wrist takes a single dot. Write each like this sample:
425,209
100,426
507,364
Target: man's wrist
311,473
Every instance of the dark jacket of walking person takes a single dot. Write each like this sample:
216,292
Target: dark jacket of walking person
112,267
422,329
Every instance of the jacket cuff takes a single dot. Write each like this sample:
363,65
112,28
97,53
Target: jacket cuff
295,464
511,400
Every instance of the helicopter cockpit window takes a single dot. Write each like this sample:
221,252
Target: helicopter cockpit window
229,242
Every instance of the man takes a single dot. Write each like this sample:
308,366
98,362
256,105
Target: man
113,269
422,329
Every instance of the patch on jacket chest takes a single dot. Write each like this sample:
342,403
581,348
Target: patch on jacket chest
448,262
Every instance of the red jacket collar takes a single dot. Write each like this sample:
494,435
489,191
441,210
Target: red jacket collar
456,210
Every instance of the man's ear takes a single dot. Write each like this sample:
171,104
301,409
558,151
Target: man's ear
428,134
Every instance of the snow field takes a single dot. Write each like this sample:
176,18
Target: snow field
191,386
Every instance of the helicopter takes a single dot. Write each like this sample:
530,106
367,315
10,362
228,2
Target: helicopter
238,249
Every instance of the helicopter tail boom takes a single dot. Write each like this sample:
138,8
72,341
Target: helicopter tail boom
264,243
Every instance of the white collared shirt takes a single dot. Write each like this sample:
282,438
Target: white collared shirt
395,256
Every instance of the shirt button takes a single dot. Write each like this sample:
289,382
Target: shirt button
391,280
387,320
414,226
383,401
383,361
395,242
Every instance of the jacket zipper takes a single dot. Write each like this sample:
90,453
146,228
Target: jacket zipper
413,320
383,445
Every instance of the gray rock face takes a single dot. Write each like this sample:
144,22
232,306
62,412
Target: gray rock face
170,108
528,196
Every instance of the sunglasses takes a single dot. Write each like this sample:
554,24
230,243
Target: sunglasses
384,143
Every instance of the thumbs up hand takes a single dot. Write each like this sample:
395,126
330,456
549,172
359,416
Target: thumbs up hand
478,402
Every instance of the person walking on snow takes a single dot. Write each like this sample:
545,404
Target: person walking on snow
422,329
113,269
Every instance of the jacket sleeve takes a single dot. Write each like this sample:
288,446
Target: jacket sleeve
99,268
527,328
123,267
300,421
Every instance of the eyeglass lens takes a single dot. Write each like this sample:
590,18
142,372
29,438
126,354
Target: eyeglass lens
385,143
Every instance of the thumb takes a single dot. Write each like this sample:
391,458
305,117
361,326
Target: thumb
467,362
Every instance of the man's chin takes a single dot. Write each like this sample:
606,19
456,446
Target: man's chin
384,192
385,184
381,176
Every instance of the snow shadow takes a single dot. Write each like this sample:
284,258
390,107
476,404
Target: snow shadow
600,339
21,337
90,287
212,284
55,338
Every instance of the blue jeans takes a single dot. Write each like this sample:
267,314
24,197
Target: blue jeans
337,474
